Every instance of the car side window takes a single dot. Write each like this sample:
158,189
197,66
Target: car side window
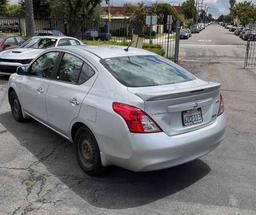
44,66
70,68
74,42
20,40
10,41
86,73
68,42
63,42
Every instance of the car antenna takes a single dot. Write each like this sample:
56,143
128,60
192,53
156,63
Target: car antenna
129,45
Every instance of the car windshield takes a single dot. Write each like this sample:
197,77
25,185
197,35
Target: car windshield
143,71
39,43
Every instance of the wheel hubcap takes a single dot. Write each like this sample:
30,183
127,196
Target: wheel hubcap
87,152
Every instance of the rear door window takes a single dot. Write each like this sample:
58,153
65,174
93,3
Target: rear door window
70,68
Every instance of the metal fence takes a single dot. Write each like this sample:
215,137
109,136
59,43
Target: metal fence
122,31
250,57
10,25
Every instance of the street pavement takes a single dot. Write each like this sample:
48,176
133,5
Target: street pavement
39,173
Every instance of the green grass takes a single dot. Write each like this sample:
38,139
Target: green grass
156,48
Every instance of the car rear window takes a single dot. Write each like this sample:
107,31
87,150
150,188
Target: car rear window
143,71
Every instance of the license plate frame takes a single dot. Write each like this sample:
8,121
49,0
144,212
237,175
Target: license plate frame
192,117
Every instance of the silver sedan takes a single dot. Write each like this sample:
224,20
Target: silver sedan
129,108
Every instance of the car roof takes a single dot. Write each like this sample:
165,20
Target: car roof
55,37
106,51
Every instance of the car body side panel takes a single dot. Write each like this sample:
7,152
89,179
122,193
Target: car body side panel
108,126
60,109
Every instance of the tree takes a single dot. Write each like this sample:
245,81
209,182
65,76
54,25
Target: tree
137,16
162,10
30,22
210,18
74,12
189,9
3,4
245,11
14,10
224,18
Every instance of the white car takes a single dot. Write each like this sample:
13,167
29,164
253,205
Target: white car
133,109
10,60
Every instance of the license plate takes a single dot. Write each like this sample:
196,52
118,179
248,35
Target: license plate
192,117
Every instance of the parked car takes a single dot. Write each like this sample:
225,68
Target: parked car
201,26
96,35
49,32
184,34
129,108
247,35
238,31
232,28
11,59
10,42
253,36
243,32
189,32
195,29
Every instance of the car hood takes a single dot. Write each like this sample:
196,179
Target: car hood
21,53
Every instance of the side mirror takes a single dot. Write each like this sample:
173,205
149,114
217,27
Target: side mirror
22,70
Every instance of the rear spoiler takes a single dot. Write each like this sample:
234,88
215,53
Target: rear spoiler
169,94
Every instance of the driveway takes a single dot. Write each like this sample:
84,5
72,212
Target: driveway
39,173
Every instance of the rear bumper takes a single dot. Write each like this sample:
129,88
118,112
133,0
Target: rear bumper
159,151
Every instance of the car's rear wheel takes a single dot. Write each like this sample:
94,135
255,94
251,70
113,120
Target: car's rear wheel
87,152
16,107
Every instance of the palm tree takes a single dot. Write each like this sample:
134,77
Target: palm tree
30,22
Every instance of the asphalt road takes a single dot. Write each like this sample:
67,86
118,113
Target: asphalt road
213,44
39,173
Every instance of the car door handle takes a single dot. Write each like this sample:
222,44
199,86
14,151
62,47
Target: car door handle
74,102
40,90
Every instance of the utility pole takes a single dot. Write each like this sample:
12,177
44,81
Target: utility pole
200,7
30,22
109,15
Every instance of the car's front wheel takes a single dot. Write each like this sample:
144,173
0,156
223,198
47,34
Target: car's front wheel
87,152
15,107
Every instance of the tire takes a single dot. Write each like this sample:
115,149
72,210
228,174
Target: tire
87,152
16,107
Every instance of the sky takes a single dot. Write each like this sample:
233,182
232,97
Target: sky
216,7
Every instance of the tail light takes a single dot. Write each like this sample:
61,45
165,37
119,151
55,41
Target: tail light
221,107
136,120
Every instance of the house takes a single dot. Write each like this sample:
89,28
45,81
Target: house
119,21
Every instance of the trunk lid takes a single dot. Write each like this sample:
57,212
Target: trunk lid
170,105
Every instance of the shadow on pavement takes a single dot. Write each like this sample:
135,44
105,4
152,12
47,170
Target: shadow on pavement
119,188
